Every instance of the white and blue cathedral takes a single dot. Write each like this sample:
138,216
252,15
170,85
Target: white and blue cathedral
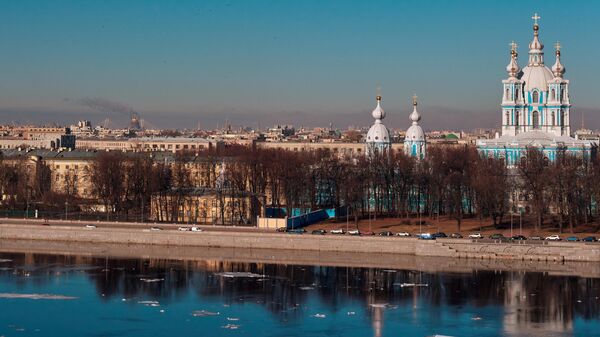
378,137
536,109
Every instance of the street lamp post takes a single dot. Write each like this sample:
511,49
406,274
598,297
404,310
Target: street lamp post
66,208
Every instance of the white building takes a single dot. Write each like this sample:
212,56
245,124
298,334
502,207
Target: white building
378,137
414,140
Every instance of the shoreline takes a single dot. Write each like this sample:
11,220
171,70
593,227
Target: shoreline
449,248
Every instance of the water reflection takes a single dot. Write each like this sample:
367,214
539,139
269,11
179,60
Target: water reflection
530,303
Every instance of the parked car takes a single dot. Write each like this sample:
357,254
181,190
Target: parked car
90,226
553,238
196,229
318,232
425,236
590,239
497,236
572,239
456,236
386,233
403,234
337,231
475,236
155,229
184,229
439,235
296,231
281,229
519,238
354,232
45,224
535,238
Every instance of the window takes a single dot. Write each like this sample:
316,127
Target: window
517,94
516,118
553,93
562,94
553,118
535,97
507,93
536,123
507,118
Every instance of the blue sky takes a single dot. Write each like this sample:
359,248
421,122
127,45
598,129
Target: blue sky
180,63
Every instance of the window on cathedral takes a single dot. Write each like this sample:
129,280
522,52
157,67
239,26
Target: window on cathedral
507,118
517,118
517,94
553,93
562,94
535,97
535,120
506,94
553,118
562,118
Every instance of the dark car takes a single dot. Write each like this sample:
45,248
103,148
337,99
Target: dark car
296,231
519,238
590,239
319,232
456,236
497,236
572,238
281,229
45,224
535,238
386,233
439,235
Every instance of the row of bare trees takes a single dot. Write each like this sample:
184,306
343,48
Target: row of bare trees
452,181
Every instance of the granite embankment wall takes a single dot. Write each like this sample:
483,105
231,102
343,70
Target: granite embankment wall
462,248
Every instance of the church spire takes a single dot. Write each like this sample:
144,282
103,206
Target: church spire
415,117
513,67
536,54
558,69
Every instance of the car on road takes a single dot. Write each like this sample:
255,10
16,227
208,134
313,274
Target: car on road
535,238
90,226
45,224
425,236
337,231
196,229
553,238
281,230
439,235
589,239
572,239
156,229
296,231
184,229
354,232
497,236
318,232
386,233
456,236
475,236
403,234
518,238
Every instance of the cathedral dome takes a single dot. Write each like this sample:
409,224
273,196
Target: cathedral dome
415,133
536,77
378,133
378,112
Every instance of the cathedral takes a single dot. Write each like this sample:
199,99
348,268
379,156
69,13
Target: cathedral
536,108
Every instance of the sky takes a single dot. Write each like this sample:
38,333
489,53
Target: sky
184,64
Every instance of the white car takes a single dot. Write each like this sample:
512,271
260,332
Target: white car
336,231
196,229
553,238
403,234
475,236
156,229
354,232
184,229
90,226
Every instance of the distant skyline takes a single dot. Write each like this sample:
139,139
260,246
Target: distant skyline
187,63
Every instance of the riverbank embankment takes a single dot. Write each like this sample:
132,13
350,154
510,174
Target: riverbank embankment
452,248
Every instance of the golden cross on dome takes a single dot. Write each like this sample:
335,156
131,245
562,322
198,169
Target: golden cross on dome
557,46
415,99
513,46
535,18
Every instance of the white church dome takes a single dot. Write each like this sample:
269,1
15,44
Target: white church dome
415,133
378,133
536,77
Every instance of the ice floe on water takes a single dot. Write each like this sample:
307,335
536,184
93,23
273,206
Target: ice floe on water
204,313
233,319
149,303
351,313
379,305
306,288
231,326
36,296
411,285
5,260
151,280
234,274
319,315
